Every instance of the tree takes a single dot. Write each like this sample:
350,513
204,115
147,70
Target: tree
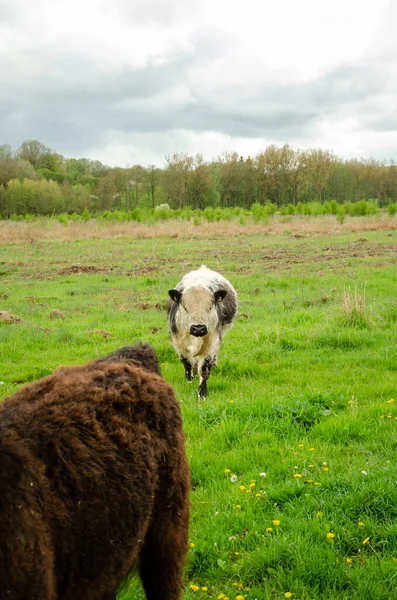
33,152
152,181
6,152
15,169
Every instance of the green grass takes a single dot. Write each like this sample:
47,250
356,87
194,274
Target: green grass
303,392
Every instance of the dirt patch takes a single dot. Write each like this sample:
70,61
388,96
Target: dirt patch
102,333
78,269
7,317
148,306
56,314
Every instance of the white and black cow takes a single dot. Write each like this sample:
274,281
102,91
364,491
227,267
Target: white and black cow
203,306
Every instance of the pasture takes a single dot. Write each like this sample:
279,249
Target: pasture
293,453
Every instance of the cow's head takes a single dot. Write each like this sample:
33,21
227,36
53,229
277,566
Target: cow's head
197,310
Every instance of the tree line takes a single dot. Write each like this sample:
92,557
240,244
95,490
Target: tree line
36,180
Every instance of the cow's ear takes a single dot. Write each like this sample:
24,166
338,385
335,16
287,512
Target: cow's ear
175,295
219,295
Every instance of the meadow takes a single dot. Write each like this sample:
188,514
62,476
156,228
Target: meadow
293,453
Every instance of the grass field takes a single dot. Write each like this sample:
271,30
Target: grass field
293,454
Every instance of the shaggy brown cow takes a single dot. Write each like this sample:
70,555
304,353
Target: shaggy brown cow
93,481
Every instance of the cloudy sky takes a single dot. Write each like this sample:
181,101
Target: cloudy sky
129,81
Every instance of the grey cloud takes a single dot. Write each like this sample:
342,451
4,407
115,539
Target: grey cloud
68,102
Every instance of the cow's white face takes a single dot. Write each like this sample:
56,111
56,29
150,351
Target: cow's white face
197,312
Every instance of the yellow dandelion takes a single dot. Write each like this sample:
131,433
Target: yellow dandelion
221,596
252,484
235,584
276,522
257,495
227,471
361,524
238,505
309,480
311,466
194,588
317,483
298,475
236,553
204,589
231,401
319,514
330,535
390,401
349,561
191,544
350,402
366,541
326,469
240,597
311,449
242,487
287,595
301,445
269,529
246,589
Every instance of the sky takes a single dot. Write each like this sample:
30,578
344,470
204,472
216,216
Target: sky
130,81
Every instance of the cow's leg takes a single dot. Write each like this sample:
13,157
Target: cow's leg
204,371
162,557
188,368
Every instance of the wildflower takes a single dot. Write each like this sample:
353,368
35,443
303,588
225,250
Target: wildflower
231,401
232,538
326,469
361,524
324,463
287,595
366,541
317,483
252,484
227,471
221,596
235,584
364,473
319,514
236,554
247,491
301,445
269,529
246,589
194,588
262,475
239,597
242,487
298,475
204,589
330,535
276,522
311,466
233,478
238,505
390,401
311,449
191,545
349,561
257,495
309,480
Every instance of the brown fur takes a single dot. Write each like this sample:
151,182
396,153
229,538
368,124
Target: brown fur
93,481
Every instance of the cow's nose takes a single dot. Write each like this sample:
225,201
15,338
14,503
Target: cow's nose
198,330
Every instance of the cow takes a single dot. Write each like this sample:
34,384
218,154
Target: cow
94,482
201,308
